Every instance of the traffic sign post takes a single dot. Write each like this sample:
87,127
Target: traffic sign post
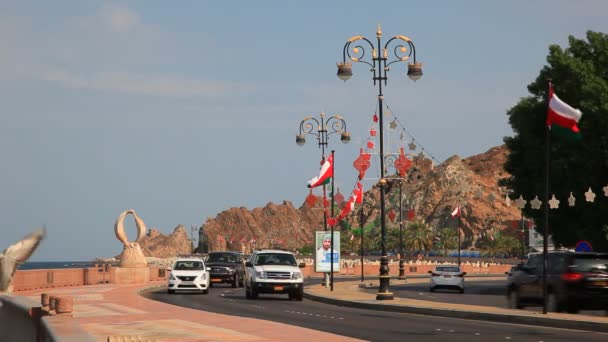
583,246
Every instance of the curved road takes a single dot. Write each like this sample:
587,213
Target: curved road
364,324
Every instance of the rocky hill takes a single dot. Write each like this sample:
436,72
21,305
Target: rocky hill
155,244
432,192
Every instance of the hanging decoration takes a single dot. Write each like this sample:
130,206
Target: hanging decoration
412,145
311,199
370,144
536,203
571,200
520,202
362,163
391,215
589,196
393,124
507,200
402,164
411,214
372,131
553,202
339,198
375,117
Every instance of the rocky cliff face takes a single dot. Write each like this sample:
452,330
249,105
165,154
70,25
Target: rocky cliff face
432,192
155,244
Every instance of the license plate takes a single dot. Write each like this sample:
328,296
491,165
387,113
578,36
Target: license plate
600,283
447,276
216,280
279,288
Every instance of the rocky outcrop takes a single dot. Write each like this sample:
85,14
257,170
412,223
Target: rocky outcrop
432,192
155,244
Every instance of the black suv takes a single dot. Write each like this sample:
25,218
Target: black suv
226,267
575,281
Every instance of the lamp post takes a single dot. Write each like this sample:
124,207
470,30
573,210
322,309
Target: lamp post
379,67
322,128
401,164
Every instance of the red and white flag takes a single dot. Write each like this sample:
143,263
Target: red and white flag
561,116
456,211
327,171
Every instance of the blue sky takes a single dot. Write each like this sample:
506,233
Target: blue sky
180,110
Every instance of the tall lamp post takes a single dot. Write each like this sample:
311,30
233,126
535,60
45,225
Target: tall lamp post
322,128
402,49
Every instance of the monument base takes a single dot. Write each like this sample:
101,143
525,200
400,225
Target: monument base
124,275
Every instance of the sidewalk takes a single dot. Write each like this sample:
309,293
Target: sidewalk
121,314
350,294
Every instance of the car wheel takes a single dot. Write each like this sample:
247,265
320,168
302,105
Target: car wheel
300,295
242,283
254,293
247,293
432,289
169,291
462,290
573,308
235,281
206,291
552,303
514,301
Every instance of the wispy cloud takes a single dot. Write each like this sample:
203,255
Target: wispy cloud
119,18
144,84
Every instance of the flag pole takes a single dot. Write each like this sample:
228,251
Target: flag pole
331,268
458,232
546,202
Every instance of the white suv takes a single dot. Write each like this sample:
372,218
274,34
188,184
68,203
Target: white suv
189,274
274,271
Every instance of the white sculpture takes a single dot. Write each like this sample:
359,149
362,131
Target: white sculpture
15,255
132,255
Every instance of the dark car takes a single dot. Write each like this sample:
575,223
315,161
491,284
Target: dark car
226,267
575,281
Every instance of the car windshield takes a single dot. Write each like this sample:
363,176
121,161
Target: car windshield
221,257
189,266
275,259
590,264
447,269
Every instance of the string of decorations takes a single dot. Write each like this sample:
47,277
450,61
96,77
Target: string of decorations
536,203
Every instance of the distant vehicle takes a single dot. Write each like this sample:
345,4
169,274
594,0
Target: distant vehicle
575,281
274,271
511,273
226,267
189,274
447,277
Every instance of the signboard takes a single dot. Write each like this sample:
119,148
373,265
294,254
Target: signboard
323,251
583,246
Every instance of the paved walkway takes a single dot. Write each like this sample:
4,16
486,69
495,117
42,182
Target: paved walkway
350,294
119,312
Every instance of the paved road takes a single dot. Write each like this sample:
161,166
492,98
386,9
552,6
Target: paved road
364,324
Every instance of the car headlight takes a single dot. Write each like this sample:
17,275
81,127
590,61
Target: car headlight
296,275
204,276
171,277
260,274
231,270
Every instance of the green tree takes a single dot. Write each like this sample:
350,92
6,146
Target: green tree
445,239
580,77
418,236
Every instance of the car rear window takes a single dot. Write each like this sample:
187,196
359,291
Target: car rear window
447,269
591,263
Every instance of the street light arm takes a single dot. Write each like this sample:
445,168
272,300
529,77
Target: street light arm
400,52
359,50
337,124
307,127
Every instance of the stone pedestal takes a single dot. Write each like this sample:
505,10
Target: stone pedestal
127,275
132,256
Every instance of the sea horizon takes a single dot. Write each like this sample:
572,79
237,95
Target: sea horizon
37,265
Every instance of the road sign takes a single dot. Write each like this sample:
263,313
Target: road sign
583,246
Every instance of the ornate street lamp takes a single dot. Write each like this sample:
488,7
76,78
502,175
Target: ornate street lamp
322,129
402,49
